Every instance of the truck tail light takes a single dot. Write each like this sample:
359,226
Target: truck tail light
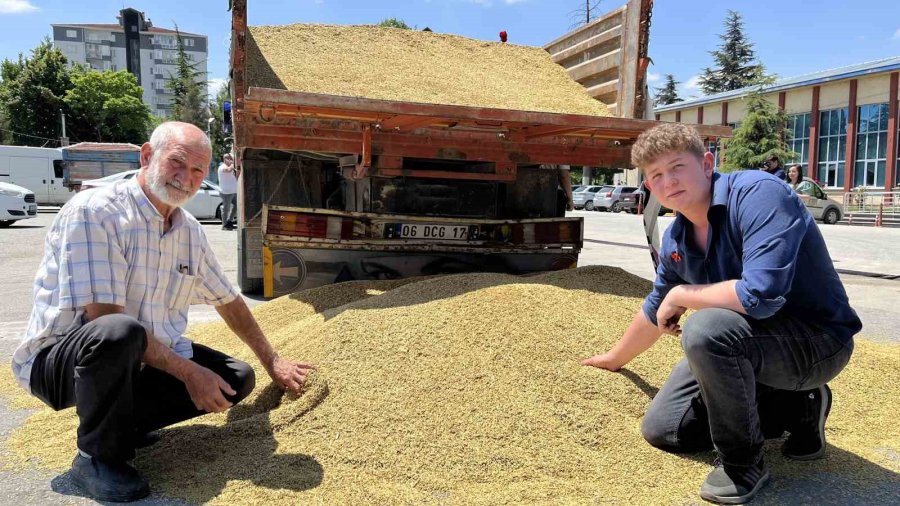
546,233
309,225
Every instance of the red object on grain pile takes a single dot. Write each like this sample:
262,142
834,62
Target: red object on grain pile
503,36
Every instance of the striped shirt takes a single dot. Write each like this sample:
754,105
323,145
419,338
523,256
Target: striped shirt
107,246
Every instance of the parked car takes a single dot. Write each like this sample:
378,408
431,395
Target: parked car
206,204
575,188
821,206
584,197
16,203
639,196
611,199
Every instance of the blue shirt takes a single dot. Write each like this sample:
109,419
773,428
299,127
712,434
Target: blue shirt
761,235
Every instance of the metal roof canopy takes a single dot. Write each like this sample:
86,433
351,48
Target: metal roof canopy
296,121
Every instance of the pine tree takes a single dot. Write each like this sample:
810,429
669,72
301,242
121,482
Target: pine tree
668,94
188,86
761,135
735,61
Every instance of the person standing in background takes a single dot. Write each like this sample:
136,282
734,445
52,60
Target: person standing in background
228,176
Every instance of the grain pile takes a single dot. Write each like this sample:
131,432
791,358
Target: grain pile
466,390
413,66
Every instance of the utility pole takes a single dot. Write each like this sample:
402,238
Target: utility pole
63,141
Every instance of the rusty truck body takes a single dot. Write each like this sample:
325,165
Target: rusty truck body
336,188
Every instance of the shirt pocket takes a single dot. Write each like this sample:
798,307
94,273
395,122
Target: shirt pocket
181,290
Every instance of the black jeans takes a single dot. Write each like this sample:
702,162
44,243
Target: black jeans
742,380
97,369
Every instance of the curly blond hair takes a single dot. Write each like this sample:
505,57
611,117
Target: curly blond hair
663,139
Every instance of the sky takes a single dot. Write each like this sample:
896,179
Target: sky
791,37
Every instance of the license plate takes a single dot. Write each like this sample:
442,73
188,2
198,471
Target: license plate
428,231
32,209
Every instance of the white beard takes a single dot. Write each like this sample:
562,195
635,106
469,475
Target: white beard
171,193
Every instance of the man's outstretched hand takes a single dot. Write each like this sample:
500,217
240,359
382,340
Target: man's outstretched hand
604,361
290,375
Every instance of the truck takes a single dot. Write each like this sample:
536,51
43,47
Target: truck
40,170
93,160
350,171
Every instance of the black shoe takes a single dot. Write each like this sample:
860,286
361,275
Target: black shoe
117,482
734,484
146,439
807,439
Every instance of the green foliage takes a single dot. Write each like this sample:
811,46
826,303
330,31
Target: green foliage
736,64
106,107
760,136
187,86
221,142
668,94
599,175
394,23
31,95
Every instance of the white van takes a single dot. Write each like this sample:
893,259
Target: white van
38,169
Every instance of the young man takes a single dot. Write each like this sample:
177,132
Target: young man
772,324
121,266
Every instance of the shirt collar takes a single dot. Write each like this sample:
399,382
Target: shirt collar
718,199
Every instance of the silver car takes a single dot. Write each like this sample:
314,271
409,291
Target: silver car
820,205
611,198
584,197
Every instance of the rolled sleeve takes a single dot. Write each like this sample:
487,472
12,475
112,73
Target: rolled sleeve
666,279
92,266
212,287
772,230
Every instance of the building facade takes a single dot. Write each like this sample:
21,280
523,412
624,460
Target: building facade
137,46
842,123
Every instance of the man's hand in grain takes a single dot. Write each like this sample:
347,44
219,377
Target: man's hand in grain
290,375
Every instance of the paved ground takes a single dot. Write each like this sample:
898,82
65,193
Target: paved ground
611,239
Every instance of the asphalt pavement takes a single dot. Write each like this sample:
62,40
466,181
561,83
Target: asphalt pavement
865,256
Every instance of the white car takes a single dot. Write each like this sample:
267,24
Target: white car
206,204
16,203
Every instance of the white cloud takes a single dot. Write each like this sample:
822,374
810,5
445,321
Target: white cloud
214,85
896,35
652,78
693,83
16,6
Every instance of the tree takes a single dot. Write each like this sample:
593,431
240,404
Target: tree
106,107
394,23
759,137
31,95
668,94
187,86
736,64
585,13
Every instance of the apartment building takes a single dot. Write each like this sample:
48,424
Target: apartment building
133,44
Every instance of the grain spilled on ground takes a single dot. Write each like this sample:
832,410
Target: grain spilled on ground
466,389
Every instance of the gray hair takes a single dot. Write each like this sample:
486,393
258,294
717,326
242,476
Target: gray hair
173,131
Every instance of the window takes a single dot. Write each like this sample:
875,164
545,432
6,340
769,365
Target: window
713,147
832,147
71,34
188,42
871,145
798,128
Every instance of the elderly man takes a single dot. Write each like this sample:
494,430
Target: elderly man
121,266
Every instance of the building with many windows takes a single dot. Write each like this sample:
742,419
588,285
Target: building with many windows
133,44
842,123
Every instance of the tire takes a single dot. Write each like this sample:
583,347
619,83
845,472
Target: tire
6,223
616,207
632,210
831,216
219,212
589,206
